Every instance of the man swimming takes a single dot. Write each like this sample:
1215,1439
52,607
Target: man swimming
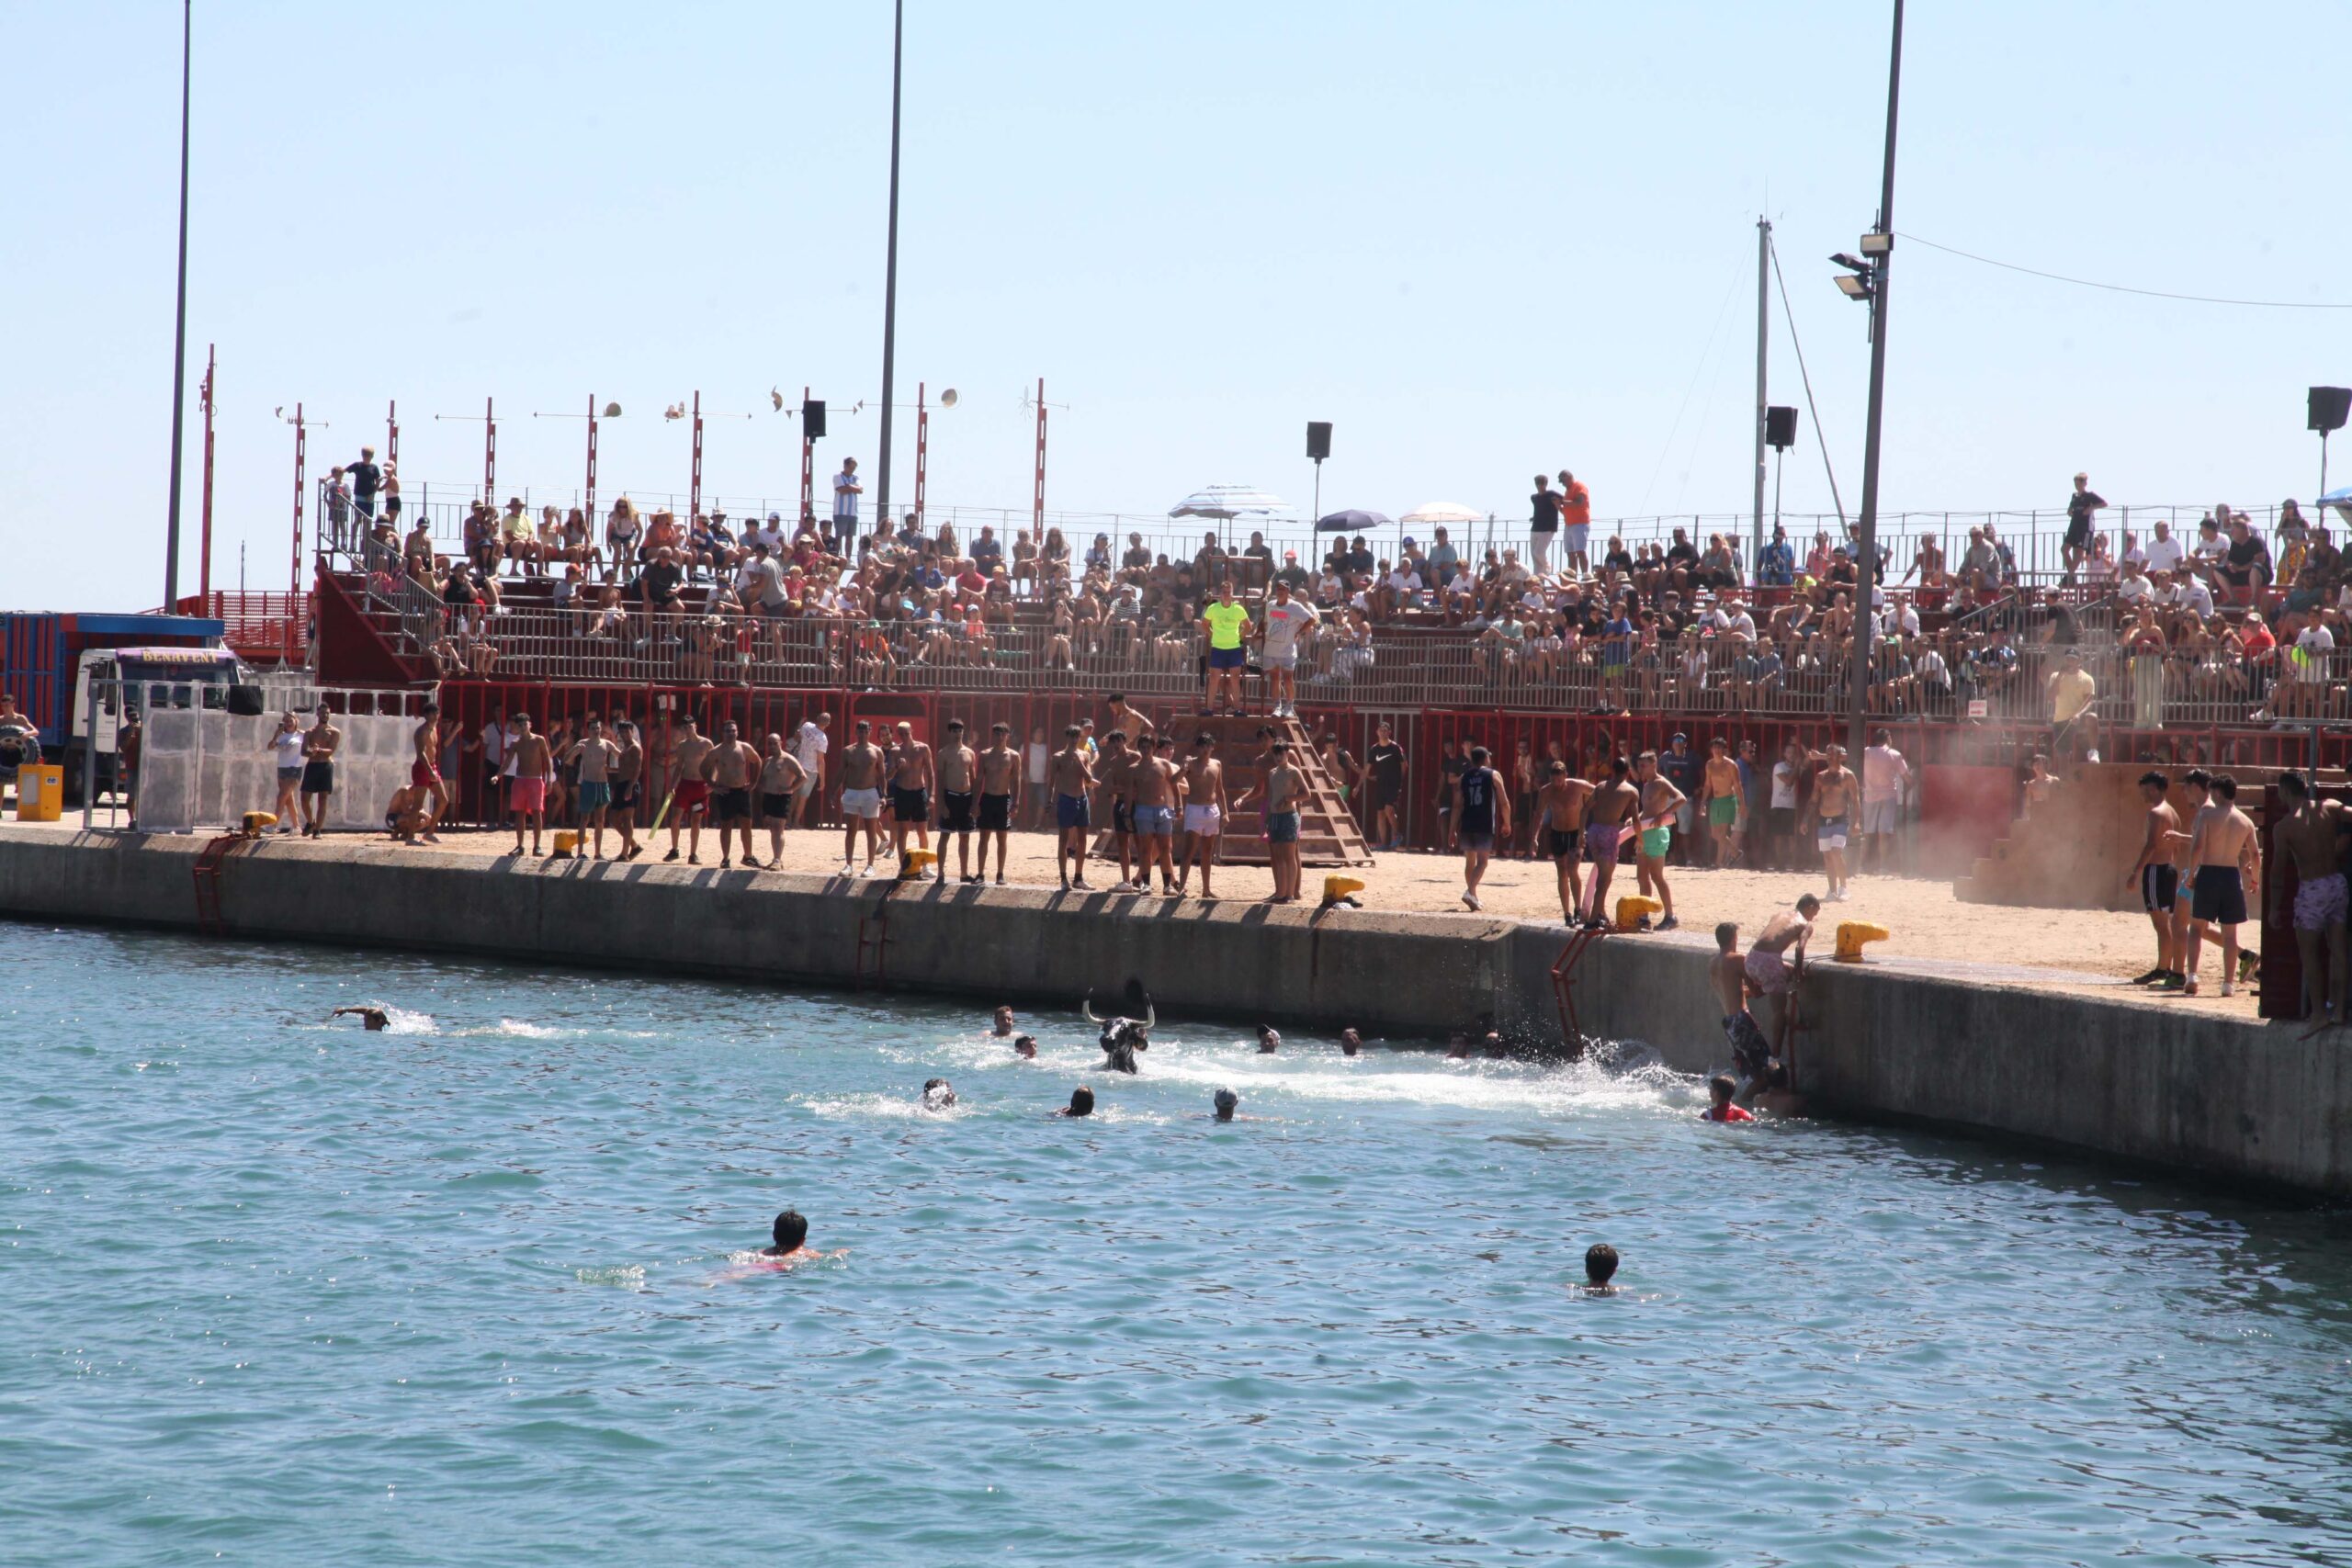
1002,1020
1728,973
370,1017
1081,1102
1719,1089
1349,1043
1226,1104
1025,1047
791,1234
1599,1268
1269,1041
938,1094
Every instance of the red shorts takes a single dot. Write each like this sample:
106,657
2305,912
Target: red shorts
694,795
423,774
528,796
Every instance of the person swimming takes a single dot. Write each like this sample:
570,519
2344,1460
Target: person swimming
938,1094
1003,1021
1226,1104
791,1238
1722,1089
1081,1102
1269,1041
1349,1043
1600,1268
370,1017
1025,1047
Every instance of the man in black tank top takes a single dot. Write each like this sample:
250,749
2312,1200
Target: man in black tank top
1481,810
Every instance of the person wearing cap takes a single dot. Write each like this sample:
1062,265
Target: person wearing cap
1226,1104
1292,573
519,546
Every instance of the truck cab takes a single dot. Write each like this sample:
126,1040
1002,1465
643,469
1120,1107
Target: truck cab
114,685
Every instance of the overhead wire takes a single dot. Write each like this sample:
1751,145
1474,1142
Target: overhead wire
2125,289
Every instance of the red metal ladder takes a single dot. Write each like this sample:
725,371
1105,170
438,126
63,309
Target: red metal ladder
208,918
1563,981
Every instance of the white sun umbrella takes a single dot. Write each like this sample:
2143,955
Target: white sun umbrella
1228,503
1450,513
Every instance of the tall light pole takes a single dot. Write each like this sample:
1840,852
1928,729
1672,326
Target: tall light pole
1763,341
1878,246
179,330
890,271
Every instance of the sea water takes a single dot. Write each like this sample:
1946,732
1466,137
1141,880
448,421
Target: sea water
277,1291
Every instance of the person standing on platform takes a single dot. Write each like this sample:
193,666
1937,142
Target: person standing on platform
1543,524
846,489
1226,624
2223,843
1576,524
1482,812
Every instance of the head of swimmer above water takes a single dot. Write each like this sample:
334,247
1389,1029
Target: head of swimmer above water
1599,1263
1024,1045
1003,1020
1226,1104
938,1094
791,1232
1351,1042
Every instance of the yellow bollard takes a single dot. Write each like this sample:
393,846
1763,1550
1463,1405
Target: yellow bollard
567,845
1632,908
917,865
259,822
1852,934
1338,887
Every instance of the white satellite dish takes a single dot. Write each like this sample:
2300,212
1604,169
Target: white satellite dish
612,411
947,399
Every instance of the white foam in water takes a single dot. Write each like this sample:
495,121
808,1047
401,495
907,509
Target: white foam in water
907,1107
1627,1076
399,1020
628,1275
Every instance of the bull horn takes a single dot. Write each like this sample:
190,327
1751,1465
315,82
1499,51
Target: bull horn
1086,1008
1150,1017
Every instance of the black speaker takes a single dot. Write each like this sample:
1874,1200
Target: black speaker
246,701
1779,428
812,419
1319,438
2330,407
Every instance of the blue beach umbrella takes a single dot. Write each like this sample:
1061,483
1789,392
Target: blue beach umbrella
1352,521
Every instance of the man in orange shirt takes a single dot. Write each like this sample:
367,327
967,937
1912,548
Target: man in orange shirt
1576,522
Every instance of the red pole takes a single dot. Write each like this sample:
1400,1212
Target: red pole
300,459
922,448
807,465
1038,521
204,395
694,484
591,508
489,454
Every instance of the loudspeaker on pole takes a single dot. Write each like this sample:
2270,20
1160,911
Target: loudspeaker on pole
1319,439
2330,406
812,419
1780,428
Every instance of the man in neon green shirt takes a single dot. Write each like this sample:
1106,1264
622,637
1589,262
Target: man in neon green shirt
1227,624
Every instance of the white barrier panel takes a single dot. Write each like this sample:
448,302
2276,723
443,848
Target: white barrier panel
207,768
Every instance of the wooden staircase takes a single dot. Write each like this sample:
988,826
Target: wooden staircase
1327,834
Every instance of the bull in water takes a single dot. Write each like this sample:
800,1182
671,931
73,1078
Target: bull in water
1121,1037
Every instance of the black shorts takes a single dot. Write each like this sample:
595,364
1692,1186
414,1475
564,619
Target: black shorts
2159,889
996,813
318,777
730,806
955,812
1564,843
1748,1048
2219,896
1385,797
1781,820
624,795
910,805
1123,818
775,807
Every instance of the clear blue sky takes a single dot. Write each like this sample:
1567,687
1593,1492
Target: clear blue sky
1482,239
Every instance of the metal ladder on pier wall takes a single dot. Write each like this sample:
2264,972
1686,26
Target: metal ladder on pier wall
1563,982
208,861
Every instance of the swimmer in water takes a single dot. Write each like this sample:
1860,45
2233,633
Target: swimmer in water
1025,1047
1457,1047
1599,1268
1226,1104
1269,1041
1722,1089
1349,1043
1081,1102
371,1017
791,1235
1004,1022
938,1094
1779,1096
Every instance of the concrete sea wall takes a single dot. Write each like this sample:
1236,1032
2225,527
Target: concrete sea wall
2170,1087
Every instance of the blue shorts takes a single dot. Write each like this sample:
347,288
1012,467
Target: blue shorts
1227,658
1282,828
594,795
1069,810
1155,821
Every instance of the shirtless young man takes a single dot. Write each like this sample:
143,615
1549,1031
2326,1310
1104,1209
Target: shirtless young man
628,783
776,797
913,775
1126,720
1721,799
407,813
2223,842
319,745
595,756
2153,874
1160,802
1836,793
1608,815
1660,801
2198,785
1727,971
1072,783
533,760
424,771
1772,971
959,768
1000,774
1559,812
1285,787
733,767
1115,774
1204,807
861,796
690,796
2312,838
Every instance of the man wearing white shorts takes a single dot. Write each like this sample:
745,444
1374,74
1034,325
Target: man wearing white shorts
1885,777
1287,620
862,769
1203,785
809,744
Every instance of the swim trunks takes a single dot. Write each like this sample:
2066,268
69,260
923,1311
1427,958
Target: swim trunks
2321,902
1656,842
865,805
1155,821
1748,1044
955,812
910,805
996,813
1600,841
594,795
527,796
1478,843
1768,972
1723,810
423,774
1282,828
318,777
694,795
730,806
2220,896
1204,821
624,795
2159,885
775,807
1123,818
1227,658
1070,811
1563,842
1830,833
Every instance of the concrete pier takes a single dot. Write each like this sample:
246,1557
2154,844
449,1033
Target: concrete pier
1893,1039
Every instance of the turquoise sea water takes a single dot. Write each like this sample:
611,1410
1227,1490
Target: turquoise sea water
277,1292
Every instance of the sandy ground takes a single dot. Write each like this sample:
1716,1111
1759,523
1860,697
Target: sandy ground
2075,951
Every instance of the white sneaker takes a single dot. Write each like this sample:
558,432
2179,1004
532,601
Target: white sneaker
1471,899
